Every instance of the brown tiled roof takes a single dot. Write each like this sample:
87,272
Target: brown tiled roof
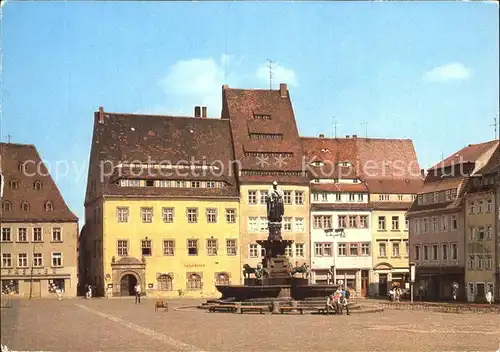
442,185
12,155
395,186
340,206
467,154
390,205
338,187
239,107
124,138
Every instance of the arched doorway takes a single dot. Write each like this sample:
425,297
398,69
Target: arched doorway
127,284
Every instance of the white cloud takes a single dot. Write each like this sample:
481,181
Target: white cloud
448,72
280,74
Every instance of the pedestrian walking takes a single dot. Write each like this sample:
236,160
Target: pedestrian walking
489,297
137,290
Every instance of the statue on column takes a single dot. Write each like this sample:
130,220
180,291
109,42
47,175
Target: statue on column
274,201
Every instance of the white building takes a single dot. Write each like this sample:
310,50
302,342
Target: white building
341,204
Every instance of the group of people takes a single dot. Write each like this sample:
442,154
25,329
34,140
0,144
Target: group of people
55,289
339,300
395,294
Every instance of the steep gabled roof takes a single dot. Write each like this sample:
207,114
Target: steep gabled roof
267,148
35,187
165,140
468,154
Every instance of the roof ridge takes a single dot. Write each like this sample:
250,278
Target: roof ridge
163,116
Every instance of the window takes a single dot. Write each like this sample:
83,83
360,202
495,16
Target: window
230,215
37,234
253,224
426,225
25,206
6,236
210,184
360,197
327,249
352,221
231,248
407,224
322,221
253,250
122,248
353,249
299,250
315,197
56,234
472,205
363,221
434,224
287,197
381,223
164,283
444,251
49,206
400,197
192,215
167,215
342,249
147,215
489,233
338,197
352,197
454,251
342,221
169,248
263,224
324,197
365,249
180,184
192,247
447,195
382,250
489,262
323,249
146,249
22,260
395,250
407,249
472,262
417,225
480,207
479,262
395,223
263,196
489,206
57,259
194,282
299,224
195,184
14,184
222,279
289,251
444,223
419,201
287,224
252,197
22,234
6,206
121,214
6,260
38,260
426,253
417,252
436,197
434,252
299,197
454,223
211,215
211,247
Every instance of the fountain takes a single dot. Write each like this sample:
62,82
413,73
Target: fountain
274,278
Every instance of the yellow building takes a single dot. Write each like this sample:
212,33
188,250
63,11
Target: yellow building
161,207
268,148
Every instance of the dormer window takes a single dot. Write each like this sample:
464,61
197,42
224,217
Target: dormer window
6,206
316,180
318,163
325,150
25,206
344,163
262,117
37,185
49,206
22,167
14,184
355,180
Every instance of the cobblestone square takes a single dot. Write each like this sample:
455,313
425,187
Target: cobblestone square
121,325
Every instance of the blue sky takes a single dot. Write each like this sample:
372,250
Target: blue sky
426,71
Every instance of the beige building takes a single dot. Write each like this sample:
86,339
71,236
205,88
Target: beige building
267,148
38,231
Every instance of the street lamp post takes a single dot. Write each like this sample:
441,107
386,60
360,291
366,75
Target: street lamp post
337,232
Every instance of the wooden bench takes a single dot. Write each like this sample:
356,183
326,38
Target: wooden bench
325,311
161,305
291,309
226,307
253,308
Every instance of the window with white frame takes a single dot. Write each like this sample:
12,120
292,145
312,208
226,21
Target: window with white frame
382,249
211,214
353,249
396,250
472,262
192,247
444,252
300,250
122,214
454,222
6,234
168,215
263,196
287,224
263,224
322,221
454,251
365,249
489,233
169,248
381,223
363,221
426,225
299,224
299,197
56,234
147,214
426,253
360,197
417,225
57,259
22,260
342,249
212,247
489,206
395,223
489,262
252,197
315,197
324,197
342,221
230,215
122,248
416,249
38,260
472,205
434,252
352,221
253,224
253,250
434,224
323,249
289,251
287,197
338,197
22,234
146,247
231,247
6,260
444,223
352,197
192,215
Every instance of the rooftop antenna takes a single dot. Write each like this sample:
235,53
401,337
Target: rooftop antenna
495,126
366,128
270,66
335,123
8,138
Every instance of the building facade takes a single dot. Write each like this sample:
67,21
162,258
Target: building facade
438,224
38,231
166,214
267,148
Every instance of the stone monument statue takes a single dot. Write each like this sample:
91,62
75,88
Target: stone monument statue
275,211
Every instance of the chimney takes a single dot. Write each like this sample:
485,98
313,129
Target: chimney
225,86
197,111
101,114
283,90
347,136
204,112
354,136
321,136
422,172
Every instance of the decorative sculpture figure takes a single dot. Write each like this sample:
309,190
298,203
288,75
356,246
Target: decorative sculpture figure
274,201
